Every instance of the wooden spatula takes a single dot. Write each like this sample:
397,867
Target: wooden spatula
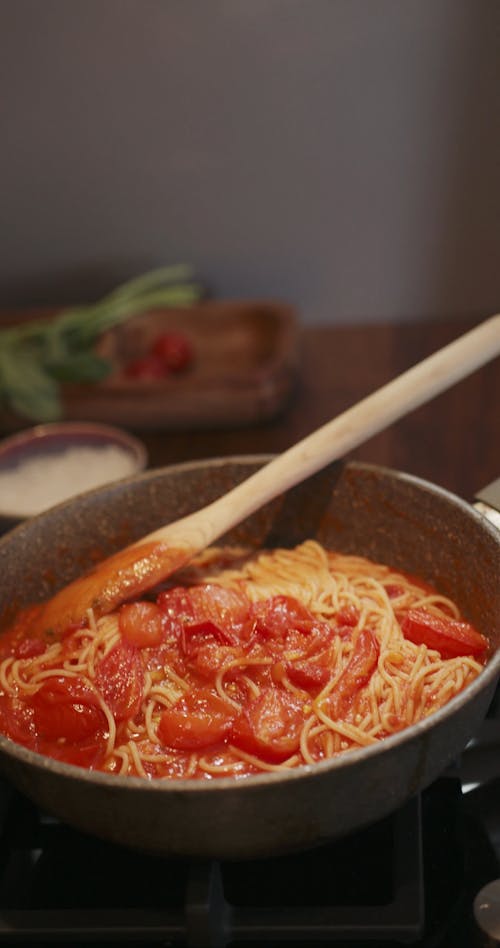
142,565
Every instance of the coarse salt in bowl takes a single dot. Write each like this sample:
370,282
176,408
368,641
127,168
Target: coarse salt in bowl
45,465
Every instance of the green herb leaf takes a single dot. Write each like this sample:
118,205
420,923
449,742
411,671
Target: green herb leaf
37,356
80,367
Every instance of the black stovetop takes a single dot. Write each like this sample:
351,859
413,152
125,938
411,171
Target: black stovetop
410,879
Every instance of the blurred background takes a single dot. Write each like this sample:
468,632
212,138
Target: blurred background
341,155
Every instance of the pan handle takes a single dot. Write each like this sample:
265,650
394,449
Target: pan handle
487,502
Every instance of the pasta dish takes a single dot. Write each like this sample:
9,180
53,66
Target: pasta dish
249,663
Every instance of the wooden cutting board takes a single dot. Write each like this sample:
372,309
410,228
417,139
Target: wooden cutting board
244,365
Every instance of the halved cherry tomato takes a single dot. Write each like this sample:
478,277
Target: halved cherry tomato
308,674
120,679
226,608
356,674
197,634
211,658
275,617
198,719
67,708
288,624
270,725
208,603
177,607
141,624
174,349
449,637
208,648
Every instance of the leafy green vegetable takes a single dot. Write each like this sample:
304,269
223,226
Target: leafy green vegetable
36,357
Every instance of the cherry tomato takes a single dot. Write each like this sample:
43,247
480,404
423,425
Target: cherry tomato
225,608
147,368
65,707
210,658
174,350
270,725
276,616
196,634
177,607
356,674
308,674
209,605
284,623
141,624
198,719
120,680
448,636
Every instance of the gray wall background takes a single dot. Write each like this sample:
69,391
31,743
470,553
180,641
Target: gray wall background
341,154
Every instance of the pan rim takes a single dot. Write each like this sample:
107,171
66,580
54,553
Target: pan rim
197,787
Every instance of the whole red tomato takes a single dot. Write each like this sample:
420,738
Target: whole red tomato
174,349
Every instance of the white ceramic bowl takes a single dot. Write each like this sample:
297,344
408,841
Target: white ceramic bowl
44,465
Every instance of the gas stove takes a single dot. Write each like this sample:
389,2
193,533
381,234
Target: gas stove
420,877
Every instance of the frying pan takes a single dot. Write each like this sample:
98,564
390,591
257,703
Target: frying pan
383,514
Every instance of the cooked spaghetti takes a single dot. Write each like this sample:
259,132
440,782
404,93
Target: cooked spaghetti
249,664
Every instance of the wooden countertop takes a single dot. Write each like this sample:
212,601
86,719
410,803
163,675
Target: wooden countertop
452,441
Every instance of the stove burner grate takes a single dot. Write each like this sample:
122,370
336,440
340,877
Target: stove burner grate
397,882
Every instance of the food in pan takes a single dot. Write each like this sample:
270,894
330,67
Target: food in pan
247,664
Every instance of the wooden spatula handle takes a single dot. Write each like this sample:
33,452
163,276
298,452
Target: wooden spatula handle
414,387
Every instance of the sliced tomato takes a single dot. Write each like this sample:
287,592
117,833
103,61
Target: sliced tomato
141,624
356,674
226,609
177,607
210,658
198,719
120,680
450,637
283,622
66,708
197,634
276,616
308,674
270,725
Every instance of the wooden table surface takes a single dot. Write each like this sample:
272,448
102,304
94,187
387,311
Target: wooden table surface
452,441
